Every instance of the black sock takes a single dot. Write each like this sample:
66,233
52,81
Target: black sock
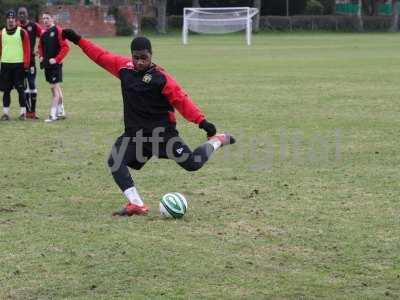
33,102
202,153
122,176
21,98
197,158
7,99
28,102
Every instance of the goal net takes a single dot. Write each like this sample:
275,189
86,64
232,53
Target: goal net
217,20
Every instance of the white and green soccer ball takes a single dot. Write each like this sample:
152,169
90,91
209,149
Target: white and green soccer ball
173,205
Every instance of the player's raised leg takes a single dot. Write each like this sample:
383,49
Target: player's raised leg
194,160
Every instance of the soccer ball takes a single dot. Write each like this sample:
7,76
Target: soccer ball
173,205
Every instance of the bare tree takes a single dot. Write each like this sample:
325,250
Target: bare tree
161,6
395,17
256,25
367,7
374,5
360,23
329,6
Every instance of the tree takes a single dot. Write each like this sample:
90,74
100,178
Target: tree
121,25
314,7
161,6
395,17
360,23
374,7
257,4
370,7
329,6
279,7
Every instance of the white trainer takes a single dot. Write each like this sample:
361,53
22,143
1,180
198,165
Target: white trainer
51,119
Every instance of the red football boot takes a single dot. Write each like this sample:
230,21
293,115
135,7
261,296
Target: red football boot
224,138
132,209
32,115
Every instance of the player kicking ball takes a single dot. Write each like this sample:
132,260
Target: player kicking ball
150,97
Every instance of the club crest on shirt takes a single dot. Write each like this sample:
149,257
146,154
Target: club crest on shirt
52,34
146,78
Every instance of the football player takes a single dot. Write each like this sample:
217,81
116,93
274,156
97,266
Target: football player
52,51
34,31
150,97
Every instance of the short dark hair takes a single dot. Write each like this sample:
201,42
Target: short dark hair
141,43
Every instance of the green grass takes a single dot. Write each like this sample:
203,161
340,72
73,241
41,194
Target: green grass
267,219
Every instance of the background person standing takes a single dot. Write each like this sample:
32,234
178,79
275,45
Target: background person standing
34,31
15,59
53,48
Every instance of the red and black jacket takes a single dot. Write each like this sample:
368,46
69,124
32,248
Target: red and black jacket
34,31
150,98
52,45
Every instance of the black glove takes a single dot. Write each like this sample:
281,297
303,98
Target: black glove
41,65
208,127
71,35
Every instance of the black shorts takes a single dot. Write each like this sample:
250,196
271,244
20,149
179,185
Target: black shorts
53,74
12,76
137,152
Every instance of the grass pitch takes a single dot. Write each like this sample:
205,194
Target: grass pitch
304,206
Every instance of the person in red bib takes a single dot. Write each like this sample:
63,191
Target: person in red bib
150,97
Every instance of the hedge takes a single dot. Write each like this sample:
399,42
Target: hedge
328,22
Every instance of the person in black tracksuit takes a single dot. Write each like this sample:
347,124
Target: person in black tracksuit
34,31
150,96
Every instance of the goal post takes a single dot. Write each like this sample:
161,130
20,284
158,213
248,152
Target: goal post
217,20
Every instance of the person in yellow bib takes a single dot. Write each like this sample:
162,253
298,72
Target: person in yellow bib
15,59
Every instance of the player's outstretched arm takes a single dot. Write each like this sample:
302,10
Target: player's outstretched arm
105,59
